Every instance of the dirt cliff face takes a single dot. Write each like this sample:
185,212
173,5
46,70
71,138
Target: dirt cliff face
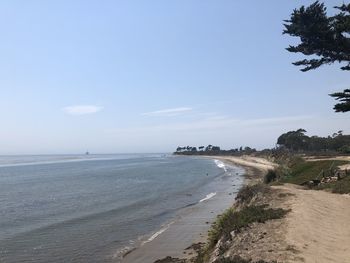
263,242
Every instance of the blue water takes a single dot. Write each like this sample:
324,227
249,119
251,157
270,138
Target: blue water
85,208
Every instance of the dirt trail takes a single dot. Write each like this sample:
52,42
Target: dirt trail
318,226
335,158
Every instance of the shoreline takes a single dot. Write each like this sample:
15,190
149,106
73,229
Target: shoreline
192,225
255,167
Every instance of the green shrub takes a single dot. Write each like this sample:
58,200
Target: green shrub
307,171
236,220
248,192
270,177
344,149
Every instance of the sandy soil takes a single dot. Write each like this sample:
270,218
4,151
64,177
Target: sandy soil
255,167
335,158
318,226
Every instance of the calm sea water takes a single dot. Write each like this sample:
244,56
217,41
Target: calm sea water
87,208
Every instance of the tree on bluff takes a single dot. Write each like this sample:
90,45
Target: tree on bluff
299,141
293,140
325,38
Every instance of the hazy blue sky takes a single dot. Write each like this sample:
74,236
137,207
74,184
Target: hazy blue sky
147,76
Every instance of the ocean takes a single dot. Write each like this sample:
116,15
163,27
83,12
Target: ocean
94,208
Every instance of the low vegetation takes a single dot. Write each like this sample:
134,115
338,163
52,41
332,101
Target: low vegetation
338,187
306,171
238,259
301,172
235,221
249,192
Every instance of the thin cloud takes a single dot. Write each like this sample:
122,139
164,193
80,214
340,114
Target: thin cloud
277,120
81,109
168,112
215,123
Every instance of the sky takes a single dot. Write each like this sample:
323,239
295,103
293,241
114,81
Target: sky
147,76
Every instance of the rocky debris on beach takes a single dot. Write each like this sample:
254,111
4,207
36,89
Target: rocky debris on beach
337,175
170,260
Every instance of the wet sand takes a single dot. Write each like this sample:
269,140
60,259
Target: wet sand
190,226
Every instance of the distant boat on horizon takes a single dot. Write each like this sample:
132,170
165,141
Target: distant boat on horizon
87,153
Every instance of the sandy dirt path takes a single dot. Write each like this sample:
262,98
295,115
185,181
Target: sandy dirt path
318,227
335,158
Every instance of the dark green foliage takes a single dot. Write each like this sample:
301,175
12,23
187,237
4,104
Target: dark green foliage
215,148
326,38
345,149
344,98
299,141
236,220
320,35
270,177
212,150
293,140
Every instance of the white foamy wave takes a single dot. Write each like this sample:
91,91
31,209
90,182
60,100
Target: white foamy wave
208,196
220,165
158,233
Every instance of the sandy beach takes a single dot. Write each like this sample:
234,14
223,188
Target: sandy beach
255,167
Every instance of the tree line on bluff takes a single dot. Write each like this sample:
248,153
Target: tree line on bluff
298,141
294,141
212,150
